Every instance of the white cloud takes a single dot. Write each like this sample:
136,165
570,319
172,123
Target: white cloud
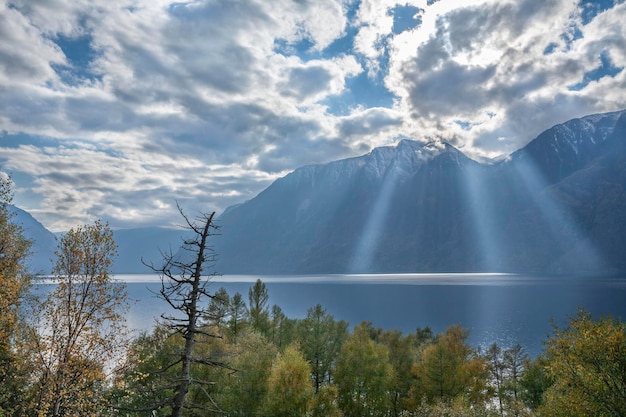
322,22
25,56
315,80
486,59
80,182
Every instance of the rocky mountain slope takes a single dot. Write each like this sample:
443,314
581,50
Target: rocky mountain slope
556,206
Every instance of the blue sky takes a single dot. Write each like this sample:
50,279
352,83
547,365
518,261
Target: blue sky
115,109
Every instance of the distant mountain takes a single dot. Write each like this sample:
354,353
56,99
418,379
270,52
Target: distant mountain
139,245
556,206
134,245
43,241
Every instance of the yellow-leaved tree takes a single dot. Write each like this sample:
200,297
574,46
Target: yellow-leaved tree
14,285
82,331
587,361
289,389
364,375
450,372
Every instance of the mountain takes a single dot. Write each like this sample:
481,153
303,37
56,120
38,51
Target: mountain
43,241
580,223
134,245
362,214
147,244
556,206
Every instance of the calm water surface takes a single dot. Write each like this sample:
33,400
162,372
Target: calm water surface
502,308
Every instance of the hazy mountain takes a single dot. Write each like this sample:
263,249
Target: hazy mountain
578,222
147,244
361,214
557,205
133,245
43,241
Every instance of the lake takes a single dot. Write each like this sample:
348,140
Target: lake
502,308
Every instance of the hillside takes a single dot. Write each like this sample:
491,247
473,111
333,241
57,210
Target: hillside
555,206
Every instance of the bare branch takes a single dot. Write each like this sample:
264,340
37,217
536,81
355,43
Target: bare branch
183,287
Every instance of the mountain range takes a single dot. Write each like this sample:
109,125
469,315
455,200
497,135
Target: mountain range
556,206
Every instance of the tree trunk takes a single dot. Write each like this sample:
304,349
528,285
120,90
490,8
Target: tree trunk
191,330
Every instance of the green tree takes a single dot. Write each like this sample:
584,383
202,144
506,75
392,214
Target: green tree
258,310
364,375
321,338
219,308
587,361
14,286
449,368
83,327
289,389
506,369
514,360
147,382
140,385
496,369
245,390
423,336
280,328
535,381
237,313
402,353
455,408
325,402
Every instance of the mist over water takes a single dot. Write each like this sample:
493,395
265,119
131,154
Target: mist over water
502,308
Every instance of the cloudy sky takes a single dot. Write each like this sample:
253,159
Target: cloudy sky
115,109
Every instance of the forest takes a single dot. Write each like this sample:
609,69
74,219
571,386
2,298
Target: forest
67,352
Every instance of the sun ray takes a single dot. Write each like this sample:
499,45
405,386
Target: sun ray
368,242
484,221
561,227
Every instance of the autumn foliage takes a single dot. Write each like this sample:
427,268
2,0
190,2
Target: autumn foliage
70,355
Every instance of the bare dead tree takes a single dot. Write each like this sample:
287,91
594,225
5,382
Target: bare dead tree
184,286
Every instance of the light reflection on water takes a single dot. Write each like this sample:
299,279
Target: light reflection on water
502,308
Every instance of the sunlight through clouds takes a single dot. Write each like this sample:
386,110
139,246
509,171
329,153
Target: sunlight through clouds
171,89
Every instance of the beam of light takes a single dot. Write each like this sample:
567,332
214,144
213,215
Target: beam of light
491,254
483,220
561,227
368,242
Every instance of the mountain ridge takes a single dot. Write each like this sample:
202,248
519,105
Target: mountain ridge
557,205
43,241
432,219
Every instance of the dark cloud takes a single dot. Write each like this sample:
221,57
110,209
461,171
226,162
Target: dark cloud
449,89
305,82
372,120
468,29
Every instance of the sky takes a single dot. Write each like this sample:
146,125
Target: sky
119,109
